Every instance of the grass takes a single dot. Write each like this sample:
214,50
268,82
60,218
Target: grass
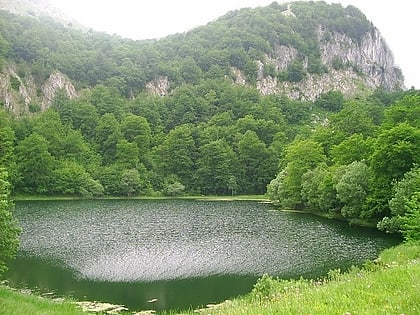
390,285
17,303
210,198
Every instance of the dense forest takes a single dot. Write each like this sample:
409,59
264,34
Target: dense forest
350,157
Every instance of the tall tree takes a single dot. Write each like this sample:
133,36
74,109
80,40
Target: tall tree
9,230
301,156
256,164
7,143
136,129
352,184
396,151
178,154
35,165
108,134
216,165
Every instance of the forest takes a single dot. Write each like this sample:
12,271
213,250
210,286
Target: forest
350,157
238,39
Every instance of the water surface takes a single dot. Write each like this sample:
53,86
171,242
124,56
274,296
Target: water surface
183,253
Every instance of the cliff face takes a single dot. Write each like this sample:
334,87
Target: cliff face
352,67
20,94
372,56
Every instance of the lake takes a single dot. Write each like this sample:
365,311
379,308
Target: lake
176,254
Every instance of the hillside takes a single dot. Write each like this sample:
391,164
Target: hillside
301,101
301,49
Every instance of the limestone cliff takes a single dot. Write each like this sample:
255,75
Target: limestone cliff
20,94
352,68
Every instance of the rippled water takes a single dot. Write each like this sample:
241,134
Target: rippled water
135,250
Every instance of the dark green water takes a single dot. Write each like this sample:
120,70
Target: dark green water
181,253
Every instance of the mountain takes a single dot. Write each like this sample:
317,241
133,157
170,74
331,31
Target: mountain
37,9
300,49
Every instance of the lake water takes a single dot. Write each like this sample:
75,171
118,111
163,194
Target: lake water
178,253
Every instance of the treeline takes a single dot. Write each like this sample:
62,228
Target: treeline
209,52
361,164
213,138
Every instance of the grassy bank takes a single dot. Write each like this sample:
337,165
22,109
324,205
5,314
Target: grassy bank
17,303
210,198
390,285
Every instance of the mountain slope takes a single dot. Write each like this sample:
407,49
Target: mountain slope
37,9
301,49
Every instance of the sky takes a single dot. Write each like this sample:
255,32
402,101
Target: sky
398,21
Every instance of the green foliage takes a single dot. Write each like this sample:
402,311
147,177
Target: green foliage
396,151
7,145
72,179
332,101
14,82
364,166
9,230
130,182
295,72
352,183
403,200
174,189
301,156
265,287
410,225
217,163
353,148
337,64
318,191
124,66
35,165
353,118
404,191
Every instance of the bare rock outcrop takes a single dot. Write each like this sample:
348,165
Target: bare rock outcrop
366,65
55,82
159,87
20,94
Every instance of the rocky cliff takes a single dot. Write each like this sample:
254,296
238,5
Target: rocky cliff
352,67
20,94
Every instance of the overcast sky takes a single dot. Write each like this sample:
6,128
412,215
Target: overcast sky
398,21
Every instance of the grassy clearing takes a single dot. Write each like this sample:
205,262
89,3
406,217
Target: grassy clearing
390,285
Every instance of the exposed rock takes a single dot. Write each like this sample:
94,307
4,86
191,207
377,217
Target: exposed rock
159,87
18,92
366,66
55,82
239,76
289,12
145,313
16,99
372,57
98,307
282,56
